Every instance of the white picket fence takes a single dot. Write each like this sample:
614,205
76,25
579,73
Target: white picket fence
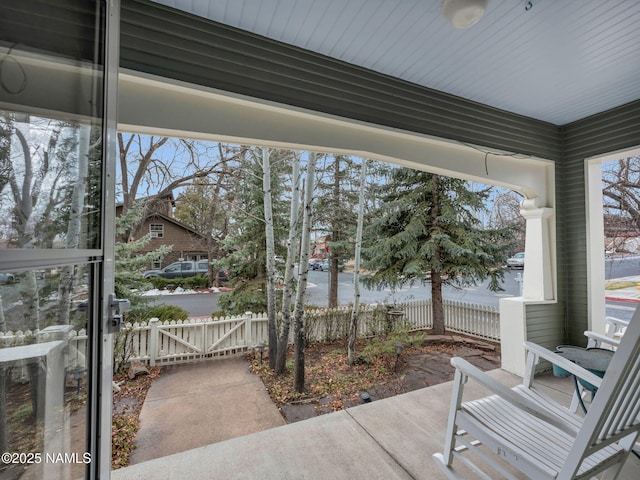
180,341
475,320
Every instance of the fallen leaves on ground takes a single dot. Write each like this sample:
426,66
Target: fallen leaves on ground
332,384
127,404
327,374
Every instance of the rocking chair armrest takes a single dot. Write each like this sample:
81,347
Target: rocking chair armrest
512,396
598,338
617,322
560,361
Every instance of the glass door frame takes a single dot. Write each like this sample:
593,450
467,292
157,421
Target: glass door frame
100,260
104,280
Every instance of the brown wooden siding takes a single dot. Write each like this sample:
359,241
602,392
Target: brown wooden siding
183,241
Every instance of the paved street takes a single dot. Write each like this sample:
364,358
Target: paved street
317,291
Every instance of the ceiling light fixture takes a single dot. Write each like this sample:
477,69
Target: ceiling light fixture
463,13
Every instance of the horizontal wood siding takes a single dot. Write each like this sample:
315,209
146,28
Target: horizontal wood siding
182,240
545,324
615,129
600,134
64,27
173,44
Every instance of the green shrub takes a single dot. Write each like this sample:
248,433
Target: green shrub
384,349
159,282
168,312
188,283
195,282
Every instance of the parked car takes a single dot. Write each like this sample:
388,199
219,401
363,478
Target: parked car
315,263
7,278
326,266
185,269
517,261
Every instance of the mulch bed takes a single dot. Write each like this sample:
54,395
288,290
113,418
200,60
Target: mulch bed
331,384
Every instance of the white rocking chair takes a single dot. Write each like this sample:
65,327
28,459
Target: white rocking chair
539,437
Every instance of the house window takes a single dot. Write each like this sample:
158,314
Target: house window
156,230
156,265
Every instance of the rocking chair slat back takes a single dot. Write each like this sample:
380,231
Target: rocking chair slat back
615,407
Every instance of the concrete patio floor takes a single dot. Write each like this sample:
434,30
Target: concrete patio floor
392,438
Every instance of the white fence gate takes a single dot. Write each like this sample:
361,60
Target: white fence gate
195,338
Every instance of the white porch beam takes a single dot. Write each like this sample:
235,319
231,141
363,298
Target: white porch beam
159,106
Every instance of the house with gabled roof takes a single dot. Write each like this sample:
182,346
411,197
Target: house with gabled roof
164,229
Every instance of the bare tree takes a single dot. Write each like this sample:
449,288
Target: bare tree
35,176
621,188
27,190
6,130
270,260
206,205
139,161
157,166
76,218
505,212
303,270
292,248
353,330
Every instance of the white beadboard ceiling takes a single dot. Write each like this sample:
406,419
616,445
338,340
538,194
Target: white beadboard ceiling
559,61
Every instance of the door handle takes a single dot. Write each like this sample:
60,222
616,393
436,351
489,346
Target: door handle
117,308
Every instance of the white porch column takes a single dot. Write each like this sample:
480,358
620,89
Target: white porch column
538,271
539,284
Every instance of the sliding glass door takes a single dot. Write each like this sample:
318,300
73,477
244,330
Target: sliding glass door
55,188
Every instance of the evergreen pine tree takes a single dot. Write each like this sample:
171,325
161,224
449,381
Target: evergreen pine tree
426,230
336,207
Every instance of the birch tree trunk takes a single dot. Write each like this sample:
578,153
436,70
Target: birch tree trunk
292,248
353,329
3,323
336,235
67,276
303,270
25,197
270,260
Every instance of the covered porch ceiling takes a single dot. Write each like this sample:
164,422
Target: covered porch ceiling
557,62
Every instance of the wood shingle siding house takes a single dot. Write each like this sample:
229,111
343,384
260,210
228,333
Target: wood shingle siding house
158,221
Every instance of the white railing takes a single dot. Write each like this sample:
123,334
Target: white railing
75,354
196,338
